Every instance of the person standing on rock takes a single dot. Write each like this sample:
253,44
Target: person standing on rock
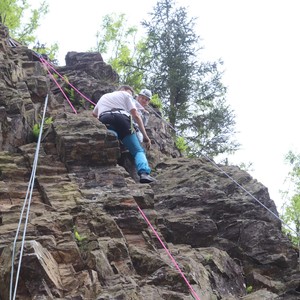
142,100
117,110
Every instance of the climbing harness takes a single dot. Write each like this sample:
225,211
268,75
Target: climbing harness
27,202
123,114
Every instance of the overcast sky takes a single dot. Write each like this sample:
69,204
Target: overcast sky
258,42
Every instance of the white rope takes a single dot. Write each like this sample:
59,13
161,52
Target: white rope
270,211
159,116
27,201
283,223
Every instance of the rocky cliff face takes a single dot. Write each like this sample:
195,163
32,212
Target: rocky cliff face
86,236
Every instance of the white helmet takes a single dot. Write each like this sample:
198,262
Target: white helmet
146,93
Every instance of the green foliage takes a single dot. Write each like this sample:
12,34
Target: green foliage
249,289
36,130
167,62
172,44
48,121
126,56
291,210
80,240
12,14
291,217
55,76
209,129
37,127
77,102
23,21
246,166
208,258
156,102
69,91
294,160
77,236
50,52
192,92
181,144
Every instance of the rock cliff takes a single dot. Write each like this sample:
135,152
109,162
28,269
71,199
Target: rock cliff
87,237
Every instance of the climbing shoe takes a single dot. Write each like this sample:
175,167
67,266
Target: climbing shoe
146,178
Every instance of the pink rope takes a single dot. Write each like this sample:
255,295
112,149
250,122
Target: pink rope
169,254
43,62
70,84
142,213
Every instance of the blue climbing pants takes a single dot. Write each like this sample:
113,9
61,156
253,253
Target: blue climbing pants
122,125
132,143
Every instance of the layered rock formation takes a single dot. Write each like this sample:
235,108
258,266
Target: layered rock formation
86,237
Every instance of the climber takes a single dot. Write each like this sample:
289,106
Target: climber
116,110
142,100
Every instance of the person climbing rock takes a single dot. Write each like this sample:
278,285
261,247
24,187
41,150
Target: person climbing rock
142,100
117,110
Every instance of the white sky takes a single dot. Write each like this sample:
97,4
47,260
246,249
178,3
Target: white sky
258,42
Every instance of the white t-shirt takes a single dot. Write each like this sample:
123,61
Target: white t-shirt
114,100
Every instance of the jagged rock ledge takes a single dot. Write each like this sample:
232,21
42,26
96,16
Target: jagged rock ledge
86,238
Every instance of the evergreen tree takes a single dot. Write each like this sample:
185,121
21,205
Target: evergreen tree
167,62
192,91
172,43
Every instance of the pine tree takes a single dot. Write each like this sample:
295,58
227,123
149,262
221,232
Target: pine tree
192,91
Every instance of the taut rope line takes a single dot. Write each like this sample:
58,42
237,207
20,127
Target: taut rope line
52,68
169,254
220,169
43,62
26,202
140,210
